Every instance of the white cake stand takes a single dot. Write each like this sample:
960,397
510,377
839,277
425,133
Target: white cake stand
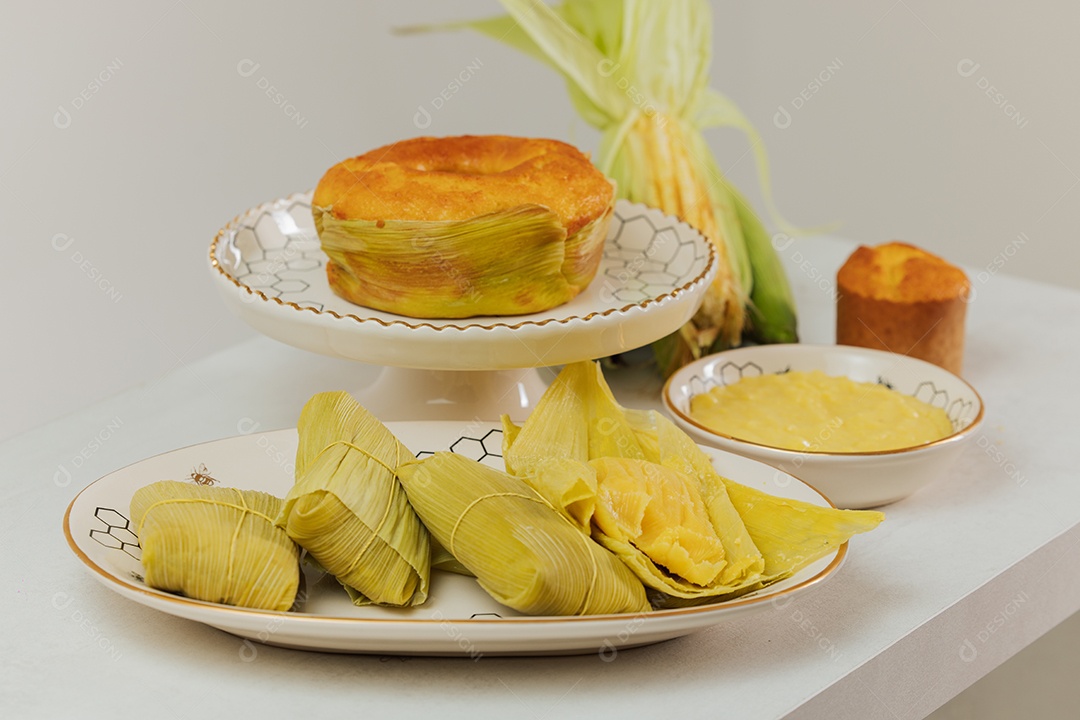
270,270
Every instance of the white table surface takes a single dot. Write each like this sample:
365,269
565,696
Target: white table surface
959,578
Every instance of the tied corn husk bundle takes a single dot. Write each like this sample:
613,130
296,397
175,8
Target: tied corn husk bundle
638,71
215,544
522,551
513,262
347,508
648,493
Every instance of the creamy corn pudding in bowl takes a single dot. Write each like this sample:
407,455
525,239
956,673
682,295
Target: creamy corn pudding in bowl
864,427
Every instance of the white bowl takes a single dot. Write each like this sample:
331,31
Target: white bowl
849,480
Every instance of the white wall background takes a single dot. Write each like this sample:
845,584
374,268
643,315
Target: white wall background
129,136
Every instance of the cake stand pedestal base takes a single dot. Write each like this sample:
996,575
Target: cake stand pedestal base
412,394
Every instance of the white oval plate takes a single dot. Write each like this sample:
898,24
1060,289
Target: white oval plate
269,267
458,619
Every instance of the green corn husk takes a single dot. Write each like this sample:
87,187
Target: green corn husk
792,534
644,459
771,311
347,508
579,422
512,262
441,559
523,553
638,71
215,544
567,484
577,417
571,423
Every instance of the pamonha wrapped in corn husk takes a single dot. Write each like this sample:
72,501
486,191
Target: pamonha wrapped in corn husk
522,551
649,514
657,501
215,544
347,508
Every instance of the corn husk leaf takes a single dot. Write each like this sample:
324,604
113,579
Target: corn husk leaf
523,552
553,457
215,544
520,260
442,559
347,508
771,311
576,419
579,422
791,534
558,427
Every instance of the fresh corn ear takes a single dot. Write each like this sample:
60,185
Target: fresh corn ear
656,153
380,264
638,70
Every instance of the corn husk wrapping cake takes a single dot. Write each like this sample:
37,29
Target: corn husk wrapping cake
522,551
215,544
656,500
347,508
458,227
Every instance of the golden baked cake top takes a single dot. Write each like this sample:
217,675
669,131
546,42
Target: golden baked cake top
901,272
457,178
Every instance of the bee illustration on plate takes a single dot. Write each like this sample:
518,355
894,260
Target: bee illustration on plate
201,475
